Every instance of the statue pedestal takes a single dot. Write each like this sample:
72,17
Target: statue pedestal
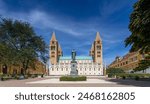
73,71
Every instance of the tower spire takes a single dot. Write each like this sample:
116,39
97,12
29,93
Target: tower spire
53,37
98,38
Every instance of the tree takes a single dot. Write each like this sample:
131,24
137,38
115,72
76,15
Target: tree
19,44
140,31
144,64
114,71
140,27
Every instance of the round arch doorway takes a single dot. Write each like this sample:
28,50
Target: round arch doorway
4,69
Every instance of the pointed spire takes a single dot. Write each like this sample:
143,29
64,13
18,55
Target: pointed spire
53,37
92,47
98,38
91,51
59,48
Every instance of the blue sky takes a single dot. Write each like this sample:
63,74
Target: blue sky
76,22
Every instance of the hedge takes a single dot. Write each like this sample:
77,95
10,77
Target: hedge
71,78
5,77
130,76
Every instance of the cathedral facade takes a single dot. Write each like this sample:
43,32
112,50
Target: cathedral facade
86,65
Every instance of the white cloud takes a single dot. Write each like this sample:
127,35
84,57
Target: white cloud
47,21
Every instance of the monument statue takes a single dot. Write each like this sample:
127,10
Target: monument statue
73,55
73,71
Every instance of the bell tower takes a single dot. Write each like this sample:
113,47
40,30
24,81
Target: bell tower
96,49
55,50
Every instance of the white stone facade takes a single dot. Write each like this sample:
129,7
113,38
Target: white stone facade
84,67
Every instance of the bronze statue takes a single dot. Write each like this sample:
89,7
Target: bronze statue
74,71
73,55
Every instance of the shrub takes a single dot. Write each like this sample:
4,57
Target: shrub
5,77
137,78
71,78
33,76
114,70
1,74
123,77
132,76
42,76
26,76
110,75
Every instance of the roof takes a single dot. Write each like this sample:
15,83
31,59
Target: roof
77,58
53,38
98,38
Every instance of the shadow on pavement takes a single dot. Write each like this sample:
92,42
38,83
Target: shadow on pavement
131,82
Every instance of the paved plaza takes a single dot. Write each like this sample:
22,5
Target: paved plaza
92,81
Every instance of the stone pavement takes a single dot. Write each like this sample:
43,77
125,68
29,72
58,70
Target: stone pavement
92,81
56,81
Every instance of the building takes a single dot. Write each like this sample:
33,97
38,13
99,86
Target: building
127,62
86,65
39,68
17,69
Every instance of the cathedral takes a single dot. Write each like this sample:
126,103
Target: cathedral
86,65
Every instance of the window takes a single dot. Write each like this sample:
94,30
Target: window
98,55
98,47
131,59
53,52
61,69
52,47
66,69
52,56
99,52
143,56
135,58
57,69
52,69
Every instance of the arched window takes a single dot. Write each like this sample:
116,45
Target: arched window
52,47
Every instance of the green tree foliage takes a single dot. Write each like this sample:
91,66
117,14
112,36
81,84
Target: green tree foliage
140,31
144,64
20,45
140,27
114,71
